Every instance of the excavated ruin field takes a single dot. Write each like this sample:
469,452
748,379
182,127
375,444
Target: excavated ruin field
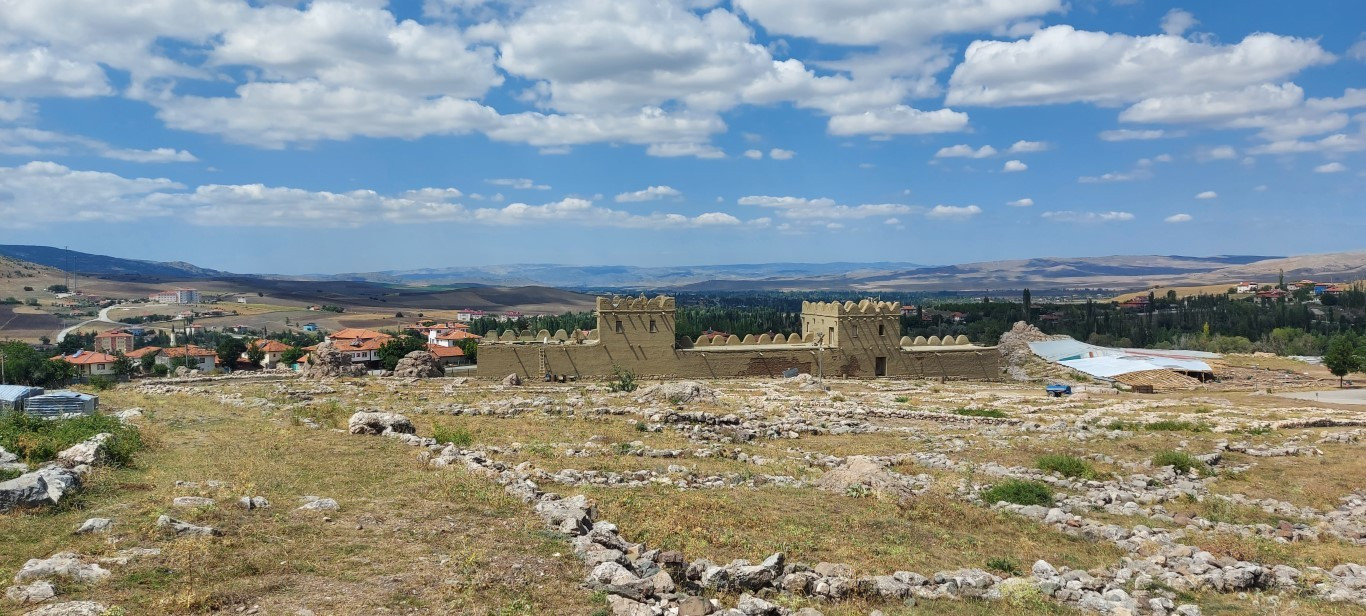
762,497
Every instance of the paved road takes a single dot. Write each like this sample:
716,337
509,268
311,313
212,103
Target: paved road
103,318
1335,396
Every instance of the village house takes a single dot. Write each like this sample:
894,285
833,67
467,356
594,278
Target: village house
90,363
447,355
361,344
273,349
114,341
450,338
470,315
196,358
137,354
1246,287
176,296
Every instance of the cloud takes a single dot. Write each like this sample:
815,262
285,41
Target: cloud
1338,143
754,154
518,183
1176,22
1209,194
1175,218
823,208
1063,65
965,151
1025,147
892,221
1333,167
584,212
40,193
1117,176
38,72
14,111
1215,106
651,193
953,212
899,120
781,154
1125,134
1357,51
1025,202
1087,217
672,150
875,23
35,142
1013,166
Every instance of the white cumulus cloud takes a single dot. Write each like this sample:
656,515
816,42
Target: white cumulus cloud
1330,168
1087,217
1209,194
1176,22
1175,218
652,193
1013,166
953,212
781,154
965,151
1025,202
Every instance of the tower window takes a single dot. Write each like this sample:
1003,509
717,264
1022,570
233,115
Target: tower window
881,330
620,329
653,328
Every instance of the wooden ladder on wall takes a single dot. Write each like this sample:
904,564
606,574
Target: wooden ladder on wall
541,362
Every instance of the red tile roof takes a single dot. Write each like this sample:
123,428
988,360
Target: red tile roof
87,357
138,353
269,346
353,333
191,350
443,352
458,334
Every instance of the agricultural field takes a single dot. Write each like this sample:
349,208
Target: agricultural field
907,497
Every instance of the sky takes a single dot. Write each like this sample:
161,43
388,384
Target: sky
327,136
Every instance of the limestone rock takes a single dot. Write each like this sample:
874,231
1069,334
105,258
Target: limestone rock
186,529
380,423
253,502
71,608
862,473
66,565
329,361
36,592
190,502
677,392
512,380
89,452
319,504
42,487
95,525
420,365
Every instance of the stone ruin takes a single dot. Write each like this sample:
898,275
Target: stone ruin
419,364
329,361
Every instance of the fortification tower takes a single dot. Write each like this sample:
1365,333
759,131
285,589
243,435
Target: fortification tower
868,332
643,327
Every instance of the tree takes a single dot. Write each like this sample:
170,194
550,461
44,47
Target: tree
292,355
1026,300
1342,357
58,288
393,350
254,353
471,348
147,362
123,366
229,350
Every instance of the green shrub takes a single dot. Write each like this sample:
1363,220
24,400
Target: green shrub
457,436
623,380
1179,460
981,413
39,440
7,474
1006,565
1019,492
101,383
1067,466
901,399
160,370
1122,425
1171,425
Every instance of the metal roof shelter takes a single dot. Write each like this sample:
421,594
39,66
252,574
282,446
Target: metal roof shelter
59,404
1108,363
12,397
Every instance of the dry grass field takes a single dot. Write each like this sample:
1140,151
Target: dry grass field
412,539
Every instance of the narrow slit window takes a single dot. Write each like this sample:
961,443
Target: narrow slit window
620,329
881,330
653,328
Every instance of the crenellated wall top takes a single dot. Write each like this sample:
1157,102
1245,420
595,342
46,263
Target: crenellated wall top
618,303
866,307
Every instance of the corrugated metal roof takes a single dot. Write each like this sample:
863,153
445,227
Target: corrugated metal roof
11,393
1106,363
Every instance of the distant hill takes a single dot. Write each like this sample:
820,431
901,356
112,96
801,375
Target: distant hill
613,276
101,265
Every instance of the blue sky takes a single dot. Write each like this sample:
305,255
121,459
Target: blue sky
331,136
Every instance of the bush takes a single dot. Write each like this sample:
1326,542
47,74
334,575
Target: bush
7,474
457,436
981,413
101,383
160,370
1006,565
623,380
1019,492
1067,466
1179,460
39,440
901,399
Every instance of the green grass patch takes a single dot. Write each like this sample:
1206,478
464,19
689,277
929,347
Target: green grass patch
1067,466
7,474
37,440
1179,460
1006,565
901,399
1171,425
1019,492
460,437
980,413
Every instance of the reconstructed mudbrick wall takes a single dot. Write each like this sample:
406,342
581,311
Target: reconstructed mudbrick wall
637,334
